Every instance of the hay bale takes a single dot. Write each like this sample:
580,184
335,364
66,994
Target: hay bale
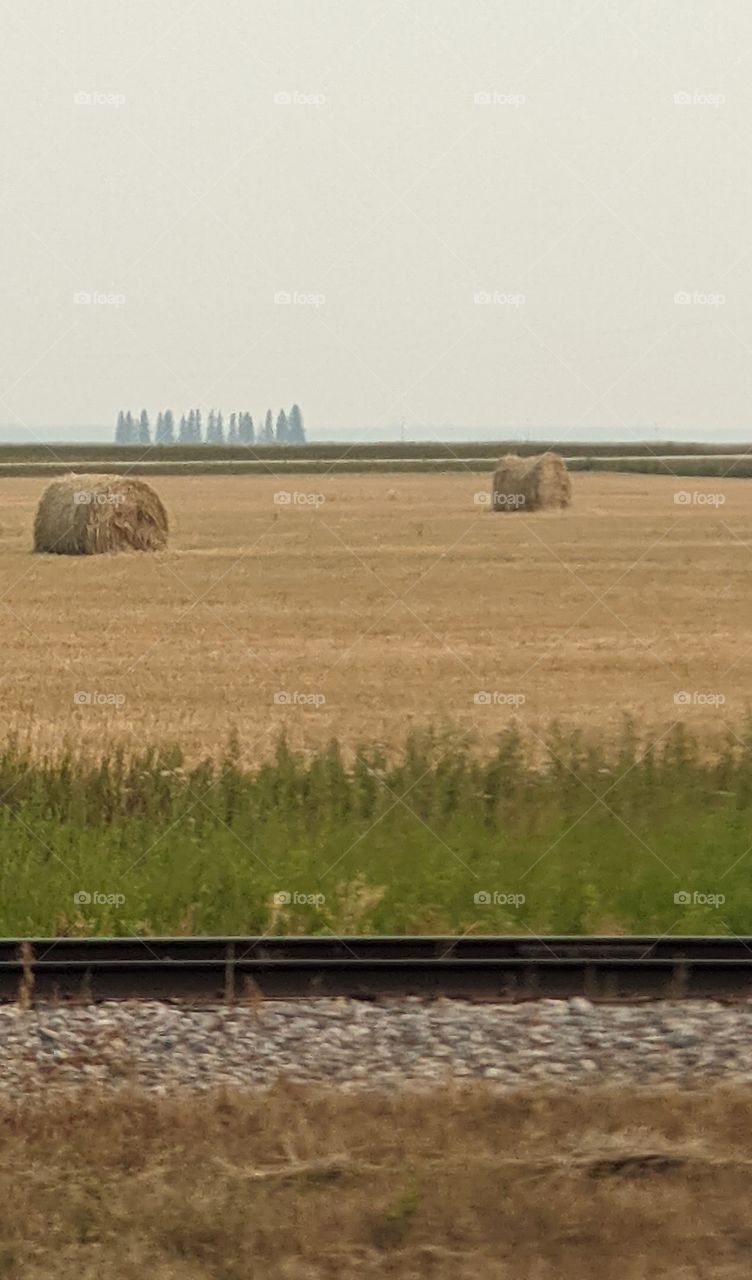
89,515
531,484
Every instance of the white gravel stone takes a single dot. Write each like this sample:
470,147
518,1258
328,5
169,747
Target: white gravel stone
362,1045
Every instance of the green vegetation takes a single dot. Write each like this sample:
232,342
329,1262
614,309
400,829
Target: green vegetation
600,839
726,466
271,458
186,452
250,465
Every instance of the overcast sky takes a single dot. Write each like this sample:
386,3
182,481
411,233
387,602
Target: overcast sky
478,215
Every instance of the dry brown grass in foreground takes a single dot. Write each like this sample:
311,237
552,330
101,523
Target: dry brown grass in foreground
307,1186
396,610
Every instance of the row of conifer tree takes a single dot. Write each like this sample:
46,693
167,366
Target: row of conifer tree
238,429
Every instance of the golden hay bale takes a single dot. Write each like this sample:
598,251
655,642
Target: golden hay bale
88,515
530,484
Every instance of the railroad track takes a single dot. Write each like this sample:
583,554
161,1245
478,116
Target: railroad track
472,968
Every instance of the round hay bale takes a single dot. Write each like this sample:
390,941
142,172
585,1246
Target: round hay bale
90,515
531,484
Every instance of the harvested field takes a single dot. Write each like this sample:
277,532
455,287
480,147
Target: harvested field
367,614
298,1183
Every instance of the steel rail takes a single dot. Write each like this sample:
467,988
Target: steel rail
471,968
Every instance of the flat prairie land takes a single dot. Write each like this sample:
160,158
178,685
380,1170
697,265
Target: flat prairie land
368,605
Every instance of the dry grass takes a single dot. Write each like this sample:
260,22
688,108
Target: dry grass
305,1186
396,610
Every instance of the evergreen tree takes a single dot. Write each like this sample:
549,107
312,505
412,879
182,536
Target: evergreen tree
197,434
219,429
192,427
295,428
159,429
168,427
282,434
268,433
120,429
183,434
211,428
246,430
130,429
232,430
144,434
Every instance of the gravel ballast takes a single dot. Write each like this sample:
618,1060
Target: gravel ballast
163,1047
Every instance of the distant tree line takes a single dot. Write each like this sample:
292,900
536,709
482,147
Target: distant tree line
239,428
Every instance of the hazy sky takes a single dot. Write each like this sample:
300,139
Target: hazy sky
481,212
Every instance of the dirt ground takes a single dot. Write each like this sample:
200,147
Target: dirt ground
298,1185
361,605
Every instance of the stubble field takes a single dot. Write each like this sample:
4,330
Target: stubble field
369,608
370,604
